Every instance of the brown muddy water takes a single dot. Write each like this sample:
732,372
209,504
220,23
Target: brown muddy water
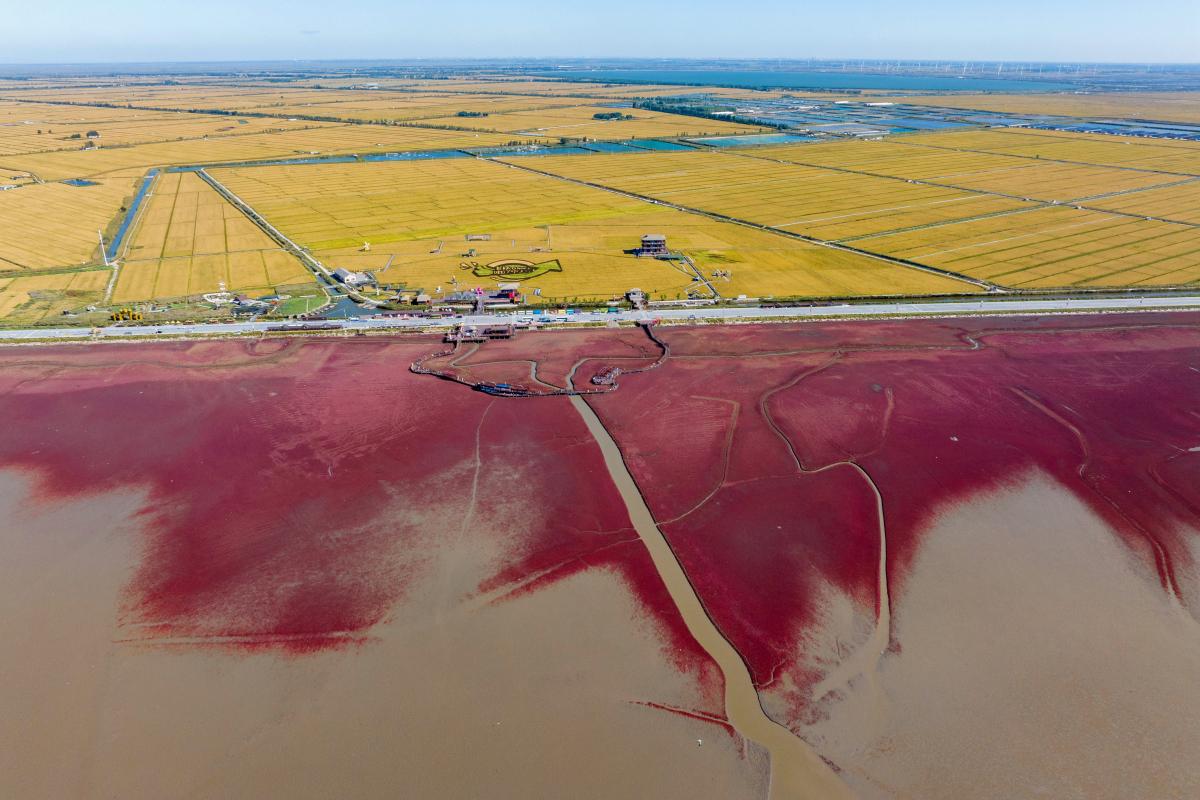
796,771
543,695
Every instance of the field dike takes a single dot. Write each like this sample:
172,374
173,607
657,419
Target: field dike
796,770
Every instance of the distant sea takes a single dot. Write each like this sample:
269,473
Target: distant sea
811,80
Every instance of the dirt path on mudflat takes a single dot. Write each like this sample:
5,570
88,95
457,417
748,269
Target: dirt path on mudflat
796,770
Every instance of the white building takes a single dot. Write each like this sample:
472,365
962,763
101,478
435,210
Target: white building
353,278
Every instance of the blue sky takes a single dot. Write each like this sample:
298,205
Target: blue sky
1051,30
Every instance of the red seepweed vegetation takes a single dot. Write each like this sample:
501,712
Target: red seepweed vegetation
294,489
764,451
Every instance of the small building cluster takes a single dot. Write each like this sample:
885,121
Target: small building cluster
413,298
480,333
507,295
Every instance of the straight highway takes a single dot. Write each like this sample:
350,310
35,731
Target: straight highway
702,313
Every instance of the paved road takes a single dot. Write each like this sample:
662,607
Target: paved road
1028,306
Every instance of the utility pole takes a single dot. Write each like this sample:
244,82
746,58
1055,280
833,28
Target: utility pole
103,250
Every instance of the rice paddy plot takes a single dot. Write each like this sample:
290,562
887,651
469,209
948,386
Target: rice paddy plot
157,97
44,226
190,241
253,273
1179,203
35,131
1054,182
329,206
1055,247
393,106
435,98
764,265
417,217
328,139
573,275
137,281
984,172
887,157
28,112
816,202
184,216
425,220
1164,155
27,300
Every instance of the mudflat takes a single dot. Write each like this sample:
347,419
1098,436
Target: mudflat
940,558
215,589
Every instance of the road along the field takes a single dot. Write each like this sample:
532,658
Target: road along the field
698,314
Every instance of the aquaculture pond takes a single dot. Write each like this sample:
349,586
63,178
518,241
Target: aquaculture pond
753,139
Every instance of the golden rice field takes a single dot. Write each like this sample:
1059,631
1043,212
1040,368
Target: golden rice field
325,139
35,131
27,300
189,241
254,272
1030,249
416,216
1048,181
512,106
983,203
440,103
816,202
579,121
290,99
1179,203
737,260
330,103
18,112
888,157
328,206
1167,106
585,275
184,216
394,106
176,97
1164,155
1055,246
43,226
1061,183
